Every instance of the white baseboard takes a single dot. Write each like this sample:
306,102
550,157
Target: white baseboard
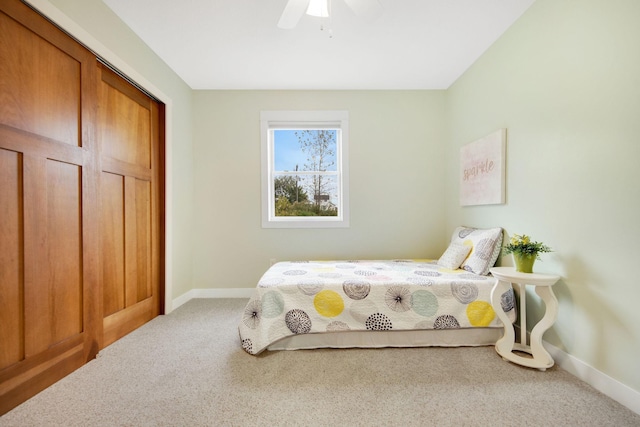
212,293
611,387
598,380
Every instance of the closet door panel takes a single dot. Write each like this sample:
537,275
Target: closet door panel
64,221
131,242
125,114
11,260
40,94
112,242
37,307
143,239
53,253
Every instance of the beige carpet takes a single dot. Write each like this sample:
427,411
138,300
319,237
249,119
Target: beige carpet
187,369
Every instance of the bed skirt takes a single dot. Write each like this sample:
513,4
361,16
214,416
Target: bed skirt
469,337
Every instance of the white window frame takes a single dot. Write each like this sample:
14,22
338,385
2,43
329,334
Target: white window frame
272,120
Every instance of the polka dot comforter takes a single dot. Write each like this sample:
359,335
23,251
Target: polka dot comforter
325,296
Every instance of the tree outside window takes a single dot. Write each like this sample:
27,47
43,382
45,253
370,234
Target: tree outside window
312,189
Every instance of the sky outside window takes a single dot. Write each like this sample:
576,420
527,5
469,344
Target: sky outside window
288,153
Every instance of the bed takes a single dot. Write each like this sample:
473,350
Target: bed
380,303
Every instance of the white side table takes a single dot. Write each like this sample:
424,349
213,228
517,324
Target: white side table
505,346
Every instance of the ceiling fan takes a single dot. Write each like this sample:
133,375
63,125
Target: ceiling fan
294,10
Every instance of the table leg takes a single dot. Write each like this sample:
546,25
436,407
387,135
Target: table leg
504,345
522,313
538,352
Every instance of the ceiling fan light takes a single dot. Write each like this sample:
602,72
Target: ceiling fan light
318,8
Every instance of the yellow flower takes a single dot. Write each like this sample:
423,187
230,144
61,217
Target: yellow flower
522,244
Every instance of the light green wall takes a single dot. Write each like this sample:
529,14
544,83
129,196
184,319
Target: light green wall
565,81
396,146
94,17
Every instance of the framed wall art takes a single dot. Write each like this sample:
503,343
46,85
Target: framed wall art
482,170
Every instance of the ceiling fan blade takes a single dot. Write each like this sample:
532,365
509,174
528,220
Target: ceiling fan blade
292,13
367,9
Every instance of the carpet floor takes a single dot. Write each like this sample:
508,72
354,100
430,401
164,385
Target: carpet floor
188,369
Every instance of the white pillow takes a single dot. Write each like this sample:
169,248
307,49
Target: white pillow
486,245
454,255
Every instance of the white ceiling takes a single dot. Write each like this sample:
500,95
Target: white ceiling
236,44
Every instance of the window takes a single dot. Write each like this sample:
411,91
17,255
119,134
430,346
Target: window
304,169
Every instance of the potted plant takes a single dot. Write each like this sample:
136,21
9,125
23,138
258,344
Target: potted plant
524,251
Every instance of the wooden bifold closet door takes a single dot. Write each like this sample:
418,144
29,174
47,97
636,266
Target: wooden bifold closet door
81,205
130,205
49,324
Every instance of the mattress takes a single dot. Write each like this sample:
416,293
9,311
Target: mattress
338,298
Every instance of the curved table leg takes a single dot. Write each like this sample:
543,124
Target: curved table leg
504,345
538,352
